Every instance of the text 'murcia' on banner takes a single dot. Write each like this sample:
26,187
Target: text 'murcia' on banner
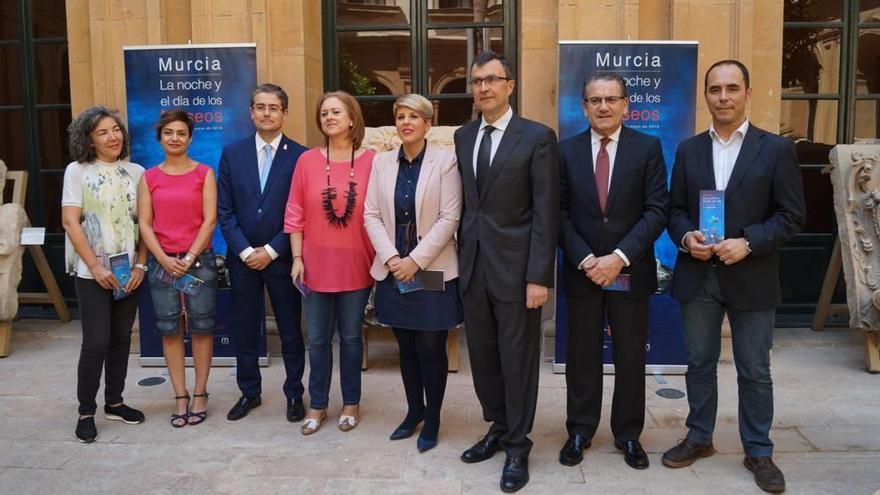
212,83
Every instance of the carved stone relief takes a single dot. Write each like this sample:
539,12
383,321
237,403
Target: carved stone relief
855,176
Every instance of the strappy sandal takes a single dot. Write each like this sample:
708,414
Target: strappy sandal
201,415
181,417
311,425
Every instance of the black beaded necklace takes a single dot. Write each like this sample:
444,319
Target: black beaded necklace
329,194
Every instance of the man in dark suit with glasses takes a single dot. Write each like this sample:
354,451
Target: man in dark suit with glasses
507,246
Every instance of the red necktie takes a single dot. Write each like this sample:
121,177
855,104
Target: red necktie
601,173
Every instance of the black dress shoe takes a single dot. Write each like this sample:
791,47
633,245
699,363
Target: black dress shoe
243,407
482,450
768,477
572,452
515,474
686,453
296,411
633,453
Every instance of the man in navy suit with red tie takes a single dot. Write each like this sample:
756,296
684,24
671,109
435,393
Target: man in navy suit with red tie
253,186
612,207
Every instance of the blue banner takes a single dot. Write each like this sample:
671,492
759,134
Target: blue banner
213,84
661,82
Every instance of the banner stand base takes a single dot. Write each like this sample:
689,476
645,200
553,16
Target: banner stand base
651,369
217,362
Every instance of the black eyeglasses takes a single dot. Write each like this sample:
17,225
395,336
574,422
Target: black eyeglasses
490,80
596,101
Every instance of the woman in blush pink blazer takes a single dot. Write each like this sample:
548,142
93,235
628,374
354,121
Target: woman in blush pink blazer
411,214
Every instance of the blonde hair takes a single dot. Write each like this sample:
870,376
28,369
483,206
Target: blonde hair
417,103
352,107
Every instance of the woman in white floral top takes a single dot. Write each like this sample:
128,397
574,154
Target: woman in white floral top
99,214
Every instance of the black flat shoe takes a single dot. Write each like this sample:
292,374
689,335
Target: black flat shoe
484,449
86,431
633,453
515,474
123,413
296,410
243,407
572,452
404,430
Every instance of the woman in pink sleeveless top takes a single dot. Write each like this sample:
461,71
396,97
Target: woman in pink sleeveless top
177,205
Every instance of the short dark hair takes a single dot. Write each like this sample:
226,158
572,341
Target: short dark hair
271,89
604,76
80,133
173,115
737,63
487,56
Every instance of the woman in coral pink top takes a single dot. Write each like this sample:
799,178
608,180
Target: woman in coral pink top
332,253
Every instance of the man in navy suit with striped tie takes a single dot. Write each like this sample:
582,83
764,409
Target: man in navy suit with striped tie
254,183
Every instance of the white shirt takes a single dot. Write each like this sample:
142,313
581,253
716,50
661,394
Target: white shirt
611,149
500,126
260,155
725,153
260,158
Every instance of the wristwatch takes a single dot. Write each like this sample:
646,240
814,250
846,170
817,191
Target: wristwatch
189,258
141,266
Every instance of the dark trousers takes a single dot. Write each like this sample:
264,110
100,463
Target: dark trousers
752,337
423,368
247,296
504,345
106,328
628,319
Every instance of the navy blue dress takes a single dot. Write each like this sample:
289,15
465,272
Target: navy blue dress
419,310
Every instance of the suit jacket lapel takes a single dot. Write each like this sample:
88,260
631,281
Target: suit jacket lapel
469,140
511,137
281,156
747,154
585,167
619,167
705,162
250,170
428,166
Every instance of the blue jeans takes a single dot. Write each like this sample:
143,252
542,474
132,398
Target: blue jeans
345,311
200,310
752,336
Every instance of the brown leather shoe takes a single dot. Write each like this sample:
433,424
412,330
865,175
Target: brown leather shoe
686,453
768,477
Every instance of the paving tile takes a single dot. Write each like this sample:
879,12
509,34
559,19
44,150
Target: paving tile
844,438
826,430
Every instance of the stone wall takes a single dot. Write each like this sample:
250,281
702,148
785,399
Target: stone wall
288,54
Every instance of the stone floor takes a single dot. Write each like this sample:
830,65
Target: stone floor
827,432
